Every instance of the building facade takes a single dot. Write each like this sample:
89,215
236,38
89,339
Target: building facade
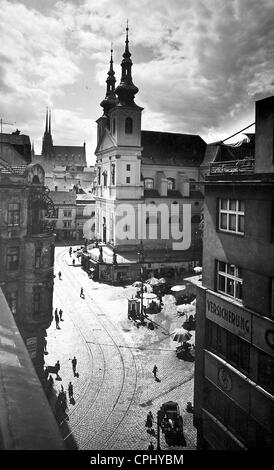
234,363
27,252
146,183
85,217
65,215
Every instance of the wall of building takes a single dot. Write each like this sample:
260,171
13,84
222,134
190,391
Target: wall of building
26,420
264,143
20,282
246,251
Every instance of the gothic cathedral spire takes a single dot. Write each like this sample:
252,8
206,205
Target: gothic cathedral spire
47,145
126,90
110,99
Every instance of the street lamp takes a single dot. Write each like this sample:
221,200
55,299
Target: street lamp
141,257
160,416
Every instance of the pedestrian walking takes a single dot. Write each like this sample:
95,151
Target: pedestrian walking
74,364
151,446
60,275
70,390
56,316
61,314
57,368
73,261
149,420
70,251
154,371
50,381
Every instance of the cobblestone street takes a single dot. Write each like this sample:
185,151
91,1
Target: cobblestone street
115,388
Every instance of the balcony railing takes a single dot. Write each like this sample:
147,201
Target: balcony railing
233,167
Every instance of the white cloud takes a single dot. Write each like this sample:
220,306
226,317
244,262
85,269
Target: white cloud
198,65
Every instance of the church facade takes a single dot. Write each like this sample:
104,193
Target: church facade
147,183
65,165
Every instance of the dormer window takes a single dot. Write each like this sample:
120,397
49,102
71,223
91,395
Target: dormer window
128,125
105,176
149,183
170,184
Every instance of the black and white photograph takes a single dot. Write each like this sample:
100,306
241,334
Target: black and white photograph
136,229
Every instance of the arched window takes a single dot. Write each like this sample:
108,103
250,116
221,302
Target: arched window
113,126
105,175
170,184
113,173
99,175
149,183
128,125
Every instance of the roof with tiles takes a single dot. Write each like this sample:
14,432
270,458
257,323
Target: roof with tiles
63,197
166,148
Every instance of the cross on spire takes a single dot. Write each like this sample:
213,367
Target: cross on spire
126,90
110,99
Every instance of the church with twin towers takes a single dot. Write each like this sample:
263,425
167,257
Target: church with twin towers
136,168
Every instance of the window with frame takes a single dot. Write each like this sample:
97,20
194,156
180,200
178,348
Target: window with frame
105,176
12,300
67,213
37,299
14,214
149,183
128,179
170,184
13,258
128,125
113,173
229,280
231,215
38,256
67,223
128,167
99,175
113,126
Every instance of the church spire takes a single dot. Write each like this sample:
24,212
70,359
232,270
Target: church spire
47,145
126,90
110,99
50,122
46,127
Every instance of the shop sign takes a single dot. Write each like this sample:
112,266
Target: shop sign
32,346
228,315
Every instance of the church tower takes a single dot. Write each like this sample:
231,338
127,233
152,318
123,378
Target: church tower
125,118
108,102
118,153
47,145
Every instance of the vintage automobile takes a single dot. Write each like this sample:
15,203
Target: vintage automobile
171,423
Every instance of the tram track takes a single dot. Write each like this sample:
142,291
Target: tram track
98,312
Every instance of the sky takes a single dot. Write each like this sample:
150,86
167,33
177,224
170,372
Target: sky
200,65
